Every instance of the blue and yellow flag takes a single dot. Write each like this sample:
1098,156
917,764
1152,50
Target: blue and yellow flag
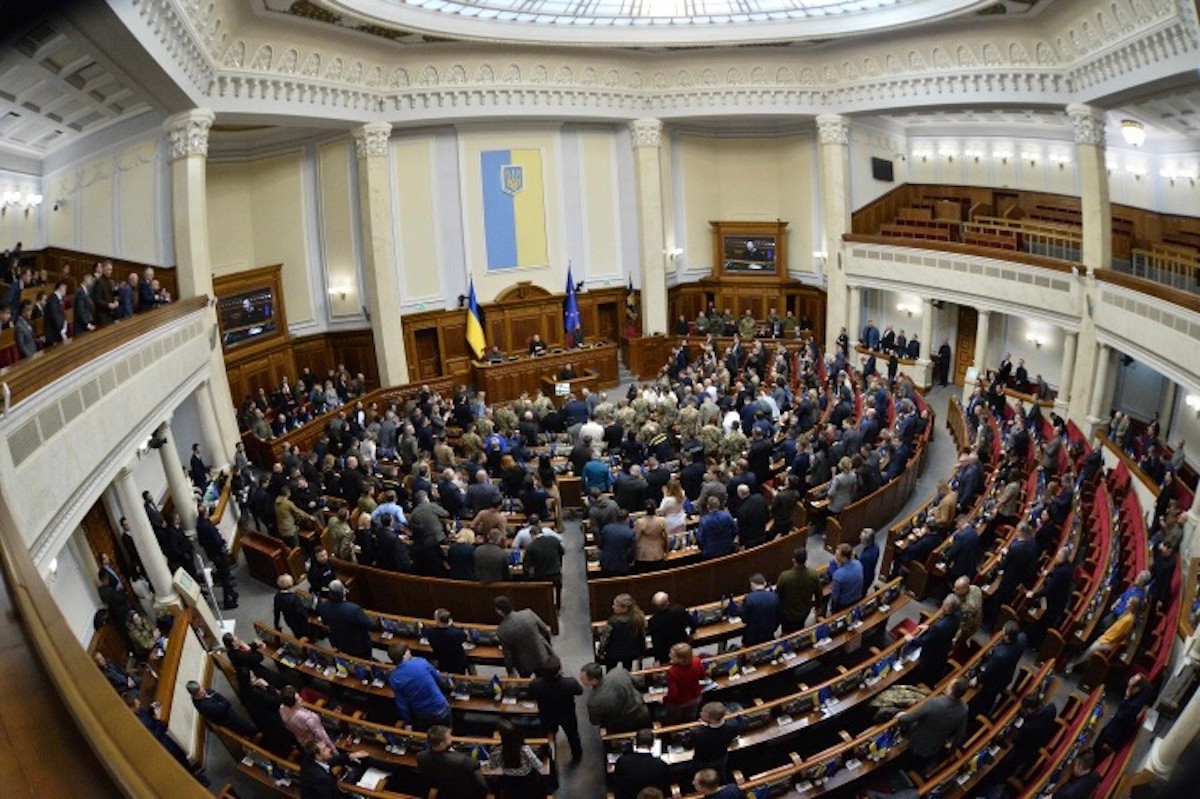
475,339
514,208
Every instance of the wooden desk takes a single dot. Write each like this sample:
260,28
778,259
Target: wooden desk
589,380
507,380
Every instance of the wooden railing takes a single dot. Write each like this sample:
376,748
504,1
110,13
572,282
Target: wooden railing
1176,267
1052,239
29,376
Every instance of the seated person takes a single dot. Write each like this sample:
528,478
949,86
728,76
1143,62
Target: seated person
536,346
495,355
567,372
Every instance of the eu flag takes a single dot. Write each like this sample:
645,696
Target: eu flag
475,337
571,315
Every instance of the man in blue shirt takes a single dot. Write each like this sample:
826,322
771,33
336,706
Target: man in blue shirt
847,574
760,612
419,690
717,535
389,507
1138,589
617,544
596,475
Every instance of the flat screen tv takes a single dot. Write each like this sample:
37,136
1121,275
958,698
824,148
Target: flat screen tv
882,170
247,315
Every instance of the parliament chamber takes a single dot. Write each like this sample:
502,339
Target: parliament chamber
493,399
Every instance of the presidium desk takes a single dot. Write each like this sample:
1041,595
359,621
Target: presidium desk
595,365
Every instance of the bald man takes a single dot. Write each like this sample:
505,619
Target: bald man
671,624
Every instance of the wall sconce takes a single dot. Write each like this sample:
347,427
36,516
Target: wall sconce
906,309
15,199
1030,157
1035,340
974,154
61,202
1138,172
1002,155
339,292
673,254
1193,402
1060,159
948,152
922,154
52,570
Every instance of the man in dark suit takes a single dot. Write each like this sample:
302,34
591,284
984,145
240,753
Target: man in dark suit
1019,568
213,544
85,310
1056,590
752,517
935,643
962,556
868,556
349,627
289,607
1123,724
998,668
944,363
317,780
198,469
451,773
939,723
760,612
55,324
555,697
1084,779
1038,725
630,490
913,350
214,707
671,624
640,768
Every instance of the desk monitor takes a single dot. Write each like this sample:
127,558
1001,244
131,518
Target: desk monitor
562,389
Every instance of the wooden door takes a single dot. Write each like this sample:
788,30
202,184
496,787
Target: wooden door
1004,201
102,538
429,354
964,342
608,323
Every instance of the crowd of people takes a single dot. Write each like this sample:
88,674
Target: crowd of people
270,414
96,301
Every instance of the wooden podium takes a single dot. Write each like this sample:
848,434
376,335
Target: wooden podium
507,380
590,381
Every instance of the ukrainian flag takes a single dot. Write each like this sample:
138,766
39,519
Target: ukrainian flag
475,339
514,208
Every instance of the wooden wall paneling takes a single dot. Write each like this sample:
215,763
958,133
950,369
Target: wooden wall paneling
355,349
312,353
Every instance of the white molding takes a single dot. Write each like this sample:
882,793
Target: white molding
314,234
447,222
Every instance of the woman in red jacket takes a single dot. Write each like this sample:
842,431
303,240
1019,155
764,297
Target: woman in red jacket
683,685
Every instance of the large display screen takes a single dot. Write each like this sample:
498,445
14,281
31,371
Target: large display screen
749,254
247,316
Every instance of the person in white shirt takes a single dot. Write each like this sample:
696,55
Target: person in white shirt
594,429
525,534
731,417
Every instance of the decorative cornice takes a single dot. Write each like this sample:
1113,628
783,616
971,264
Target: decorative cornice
647,132
833,129
371,139
187,133
1088,124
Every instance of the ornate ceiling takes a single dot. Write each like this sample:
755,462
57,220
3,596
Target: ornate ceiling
633,23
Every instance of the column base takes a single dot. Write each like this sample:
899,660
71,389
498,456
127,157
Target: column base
1154,763
923,374
1092,423
169,601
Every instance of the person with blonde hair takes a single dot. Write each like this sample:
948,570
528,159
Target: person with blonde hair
671,507
683,685
624,637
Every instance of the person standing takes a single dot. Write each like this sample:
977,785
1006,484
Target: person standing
524,637
419,690
639,769
799,591
451,774
615,703
760,612
938,724
521,768
671,624
349,627
555,697
624,639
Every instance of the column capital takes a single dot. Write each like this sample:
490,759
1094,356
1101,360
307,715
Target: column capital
371,139
984,313
833,129
646,131
187,133
1088,123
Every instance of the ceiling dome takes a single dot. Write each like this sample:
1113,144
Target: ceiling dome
646,23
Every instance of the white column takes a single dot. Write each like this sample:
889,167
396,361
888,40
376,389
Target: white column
179,484
216,453
379,250
1100,399
1066,372
1165,752
155,563
927,330
1167,407
187,135
647,141
854,325
1088,123
981,340
833,135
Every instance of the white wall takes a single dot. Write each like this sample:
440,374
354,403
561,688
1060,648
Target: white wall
1013,336
16,224
869,141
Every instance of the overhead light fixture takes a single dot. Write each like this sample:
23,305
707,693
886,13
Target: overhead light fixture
1134,132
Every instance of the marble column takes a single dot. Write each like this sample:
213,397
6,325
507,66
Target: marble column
982,331
1098,409
1066,372
371,142
215,453
1165,751
647,141
187,137
178,483
148,549
1166,408
833,136
927,348
854,324
1088,124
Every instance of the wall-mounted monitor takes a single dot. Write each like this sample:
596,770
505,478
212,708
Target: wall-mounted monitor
250,307
882,169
